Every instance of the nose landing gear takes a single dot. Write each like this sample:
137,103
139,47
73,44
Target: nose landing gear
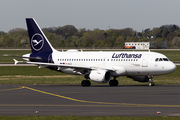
151,83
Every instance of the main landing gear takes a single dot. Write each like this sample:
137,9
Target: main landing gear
151,83
113,82
85,83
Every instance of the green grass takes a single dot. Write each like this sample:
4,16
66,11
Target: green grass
173,55
27,70
32,74
84,118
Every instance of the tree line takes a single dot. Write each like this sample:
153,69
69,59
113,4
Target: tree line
69,36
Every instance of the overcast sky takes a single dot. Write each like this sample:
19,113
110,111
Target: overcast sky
90,14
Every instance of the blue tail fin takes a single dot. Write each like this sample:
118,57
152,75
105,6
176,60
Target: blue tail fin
38,41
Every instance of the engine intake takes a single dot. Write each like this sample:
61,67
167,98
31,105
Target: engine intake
101,76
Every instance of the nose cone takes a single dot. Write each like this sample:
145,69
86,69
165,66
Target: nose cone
171,67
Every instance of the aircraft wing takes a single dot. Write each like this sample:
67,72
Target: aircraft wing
55,65
69,66
63,65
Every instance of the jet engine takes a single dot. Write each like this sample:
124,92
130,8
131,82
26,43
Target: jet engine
101,76
139,78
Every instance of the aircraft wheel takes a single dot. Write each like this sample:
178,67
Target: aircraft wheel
88,83
113,83
151,84
85,83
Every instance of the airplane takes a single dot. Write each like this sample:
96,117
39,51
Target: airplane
99,66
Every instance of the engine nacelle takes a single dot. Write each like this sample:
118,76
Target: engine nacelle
140,78
101,76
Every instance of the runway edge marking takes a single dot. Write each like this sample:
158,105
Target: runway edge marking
83,101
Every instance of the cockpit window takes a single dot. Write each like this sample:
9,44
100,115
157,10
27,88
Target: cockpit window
157,59
161,59
165,59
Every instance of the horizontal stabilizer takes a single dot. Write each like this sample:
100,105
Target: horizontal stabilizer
16,62
32,58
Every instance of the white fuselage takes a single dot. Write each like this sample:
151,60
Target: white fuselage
126,63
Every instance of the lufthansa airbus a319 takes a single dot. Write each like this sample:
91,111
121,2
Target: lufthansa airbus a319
95,66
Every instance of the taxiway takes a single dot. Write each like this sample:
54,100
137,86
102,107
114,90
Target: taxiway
97,100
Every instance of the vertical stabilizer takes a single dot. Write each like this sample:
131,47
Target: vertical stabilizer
38,41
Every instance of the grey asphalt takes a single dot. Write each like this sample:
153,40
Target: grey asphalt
97,100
